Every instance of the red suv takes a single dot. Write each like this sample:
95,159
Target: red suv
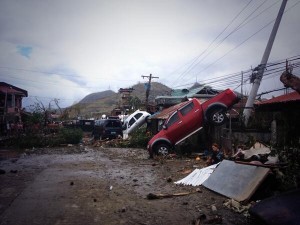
189,118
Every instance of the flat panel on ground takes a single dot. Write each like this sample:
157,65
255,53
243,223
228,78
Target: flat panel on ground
237,181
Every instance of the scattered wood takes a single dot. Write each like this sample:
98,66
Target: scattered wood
152,196
255,163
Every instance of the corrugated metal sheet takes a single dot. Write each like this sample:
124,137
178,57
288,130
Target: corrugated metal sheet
198,176
186,92
164,114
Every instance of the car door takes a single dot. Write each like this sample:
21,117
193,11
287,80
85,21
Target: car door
173,127
191,118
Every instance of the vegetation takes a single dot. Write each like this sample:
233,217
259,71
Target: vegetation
40,139
138,139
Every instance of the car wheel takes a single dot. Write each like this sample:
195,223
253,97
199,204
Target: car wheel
217,117
162,149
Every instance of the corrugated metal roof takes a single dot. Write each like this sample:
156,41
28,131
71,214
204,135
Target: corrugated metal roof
186,92
290,97
164,114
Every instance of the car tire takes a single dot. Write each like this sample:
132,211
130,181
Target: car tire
162,149
217,117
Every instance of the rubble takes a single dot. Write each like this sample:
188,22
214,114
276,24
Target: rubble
238,207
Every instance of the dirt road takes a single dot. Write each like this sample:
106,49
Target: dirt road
80,185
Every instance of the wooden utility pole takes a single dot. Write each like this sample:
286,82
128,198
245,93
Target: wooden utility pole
259,71
148,86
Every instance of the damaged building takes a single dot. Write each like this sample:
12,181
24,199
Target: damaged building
10,105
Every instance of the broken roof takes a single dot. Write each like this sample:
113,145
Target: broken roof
190,92
164,114
293,96
282,102
177,95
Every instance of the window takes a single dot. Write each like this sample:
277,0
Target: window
9,101
173,119
113,124
138,115
131,121
186,109
98,122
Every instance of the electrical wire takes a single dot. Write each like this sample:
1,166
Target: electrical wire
212,42
209,65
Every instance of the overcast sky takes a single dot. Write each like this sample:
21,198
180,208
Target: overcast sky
67,49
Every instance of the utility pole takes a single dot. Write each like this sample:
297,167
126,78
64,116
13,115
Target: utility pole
259,71
148,86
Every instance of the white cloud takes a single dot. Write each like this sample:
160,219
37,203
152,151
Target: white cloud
109,44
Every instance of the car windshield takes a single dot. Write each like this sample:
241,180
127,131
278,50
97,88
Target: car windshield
98,122
113,124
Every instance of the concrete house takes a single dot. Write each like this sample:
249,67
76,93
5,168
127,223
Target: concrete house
10,104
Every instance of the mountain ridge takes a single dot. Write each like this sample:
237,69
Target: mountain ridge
99,103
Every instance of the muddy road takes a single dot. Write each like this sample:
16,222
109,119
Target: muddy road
84,185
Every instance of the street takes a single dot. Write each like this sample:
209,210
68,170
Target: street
83,185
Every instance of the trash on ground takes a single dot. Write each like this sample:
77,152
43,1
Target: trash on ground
237,206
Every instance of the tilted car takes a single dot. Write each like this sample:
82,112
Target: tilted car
107,128
134,121
190,118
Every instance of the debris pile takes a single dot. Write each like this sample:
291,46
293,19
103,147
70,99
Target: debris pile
110,142
246,177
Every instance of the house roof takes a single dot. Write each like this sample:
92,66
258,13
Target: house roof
178,95
164,114
13,89
191,92
285,102
290,97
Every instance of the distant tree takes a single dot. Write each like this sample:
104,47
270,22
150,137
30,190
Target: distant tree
135,102
42,112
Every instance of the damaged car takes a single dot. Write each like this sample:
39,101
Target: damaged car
107,128
189,119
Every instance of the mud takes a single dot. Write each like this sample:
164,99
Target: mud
80,185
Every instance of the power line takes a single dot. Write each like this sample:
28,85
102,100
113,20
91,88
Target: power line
211,43
209,65
235,78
